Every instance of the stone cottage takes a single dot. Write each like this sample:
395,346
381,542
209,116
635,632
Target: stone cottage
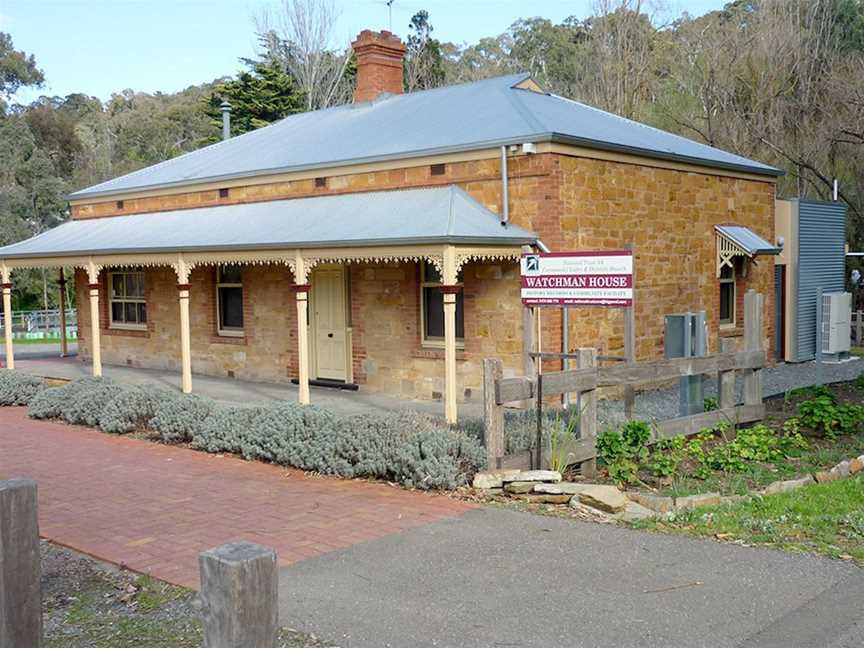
377,243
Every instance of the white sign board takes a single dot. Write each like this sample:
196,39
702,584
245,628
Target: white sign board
599,278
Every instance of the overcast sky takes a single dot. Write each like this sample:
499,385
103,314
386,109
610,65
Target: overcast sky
102,46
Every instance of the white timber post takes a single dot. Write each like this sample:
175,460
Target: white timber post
7,315
64,346
183,288
450,289
301,291
93,279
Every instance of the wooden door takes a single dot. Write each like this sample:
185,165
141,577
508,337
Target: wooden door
329,323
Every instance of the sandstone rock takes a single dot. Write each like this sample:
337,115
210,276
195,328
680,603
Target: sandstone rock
534,476
564,488
492,479
634,512
732,499
823,476
653,502
841,469
694,501
604,498
519,487
546,498
856,466
786,486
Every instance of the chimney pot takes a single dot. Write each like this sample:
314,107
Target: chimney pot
379,64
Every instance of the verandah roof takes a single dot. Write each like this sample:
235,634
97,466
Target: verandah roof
446,215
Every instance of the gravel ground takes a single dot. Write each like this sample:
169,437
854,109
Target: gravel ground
662,404
89,604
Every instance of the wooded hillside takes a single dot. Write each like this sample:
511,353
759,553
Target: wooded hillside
779,81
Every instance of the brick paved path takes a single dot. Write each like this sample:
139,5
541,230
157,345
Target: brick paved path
154,507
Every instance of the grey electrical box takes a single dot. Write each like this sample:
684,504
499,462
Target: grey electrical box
685,337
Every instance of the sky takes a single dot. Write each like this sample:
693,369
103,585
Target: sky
99,47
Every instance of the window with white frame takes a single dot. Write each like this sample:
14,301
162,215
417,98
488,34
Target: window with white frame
229,300
127,303
432,307
727,296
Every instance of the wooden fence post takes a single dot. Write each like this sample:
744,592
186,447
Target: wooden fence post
753,306
20,566
587,403
239,593
726,379
493,414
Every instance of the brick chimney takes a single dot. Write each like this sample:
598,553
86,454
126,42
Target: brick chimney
379,64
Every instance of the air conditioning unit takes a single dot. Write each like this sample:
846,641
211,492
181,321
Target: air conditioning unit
836,322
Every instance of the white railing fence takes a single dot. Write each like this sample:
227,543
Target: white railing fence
41,323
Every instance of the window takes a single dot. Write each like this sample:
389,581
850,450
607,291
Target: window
119,204
127,303
727,296
229,300
437,169
223,193
320,182
432,307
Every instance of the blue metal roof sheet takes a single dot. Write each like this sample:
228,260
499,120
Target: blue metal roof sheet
747,240
410,216
462,117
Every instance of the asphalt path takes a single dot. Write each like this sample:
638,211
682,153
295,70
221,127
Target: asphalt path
495,578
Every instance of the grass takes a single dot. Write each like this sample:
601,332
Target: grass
826,519
47,340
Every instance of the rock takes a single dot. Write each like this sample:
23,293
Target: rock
856,466
823,476
534,476
653,502
786,486
728,500
519,487
564,488
492,479
634,512
545,498
604,498
693,501
841,469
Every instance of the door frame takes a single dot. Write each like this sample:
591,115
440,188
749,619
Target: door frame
313,324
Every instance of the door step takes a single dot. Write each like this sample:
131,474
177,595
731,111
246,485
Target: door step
333,384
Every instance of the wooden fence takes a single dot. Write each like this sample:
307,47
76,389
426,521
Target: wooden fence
588,377
858,328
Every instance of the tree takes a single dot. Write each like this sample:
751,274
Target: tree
17,70
258,96
423,66
299,39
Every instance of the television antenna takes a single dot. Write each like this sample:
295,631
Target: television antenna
389,4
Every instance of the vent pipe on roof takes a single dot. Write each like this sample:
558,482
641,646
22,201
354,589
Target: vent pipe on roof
226,119
505,189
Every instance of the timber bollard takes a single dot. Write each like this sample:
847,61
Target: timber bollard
239,596
20,566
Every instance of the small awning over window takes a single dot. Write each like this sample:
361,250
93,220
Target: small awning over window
736,241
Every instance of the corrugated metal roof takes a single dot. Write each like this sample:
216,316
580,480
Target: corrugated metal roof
747,240
412,216
462,117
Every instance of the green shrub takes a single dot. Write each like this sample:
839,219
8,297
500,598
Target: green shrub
709,404
624,450
823,414
18,388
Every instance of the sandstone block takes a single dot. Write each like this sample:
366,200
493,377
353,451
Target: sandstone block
856,466
534,476
545,498
519,487
563,488
823,476
604,498
492,479
694,501
634,512
786,486
653,502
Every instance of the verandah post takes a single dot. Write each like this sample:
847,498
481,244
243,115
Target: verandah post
7,315
493,414
96,352
183,271
450,289
301,294
64,347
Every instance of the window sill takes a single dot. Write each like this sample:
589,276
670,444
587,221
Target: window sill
129,331
230,334
238,340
